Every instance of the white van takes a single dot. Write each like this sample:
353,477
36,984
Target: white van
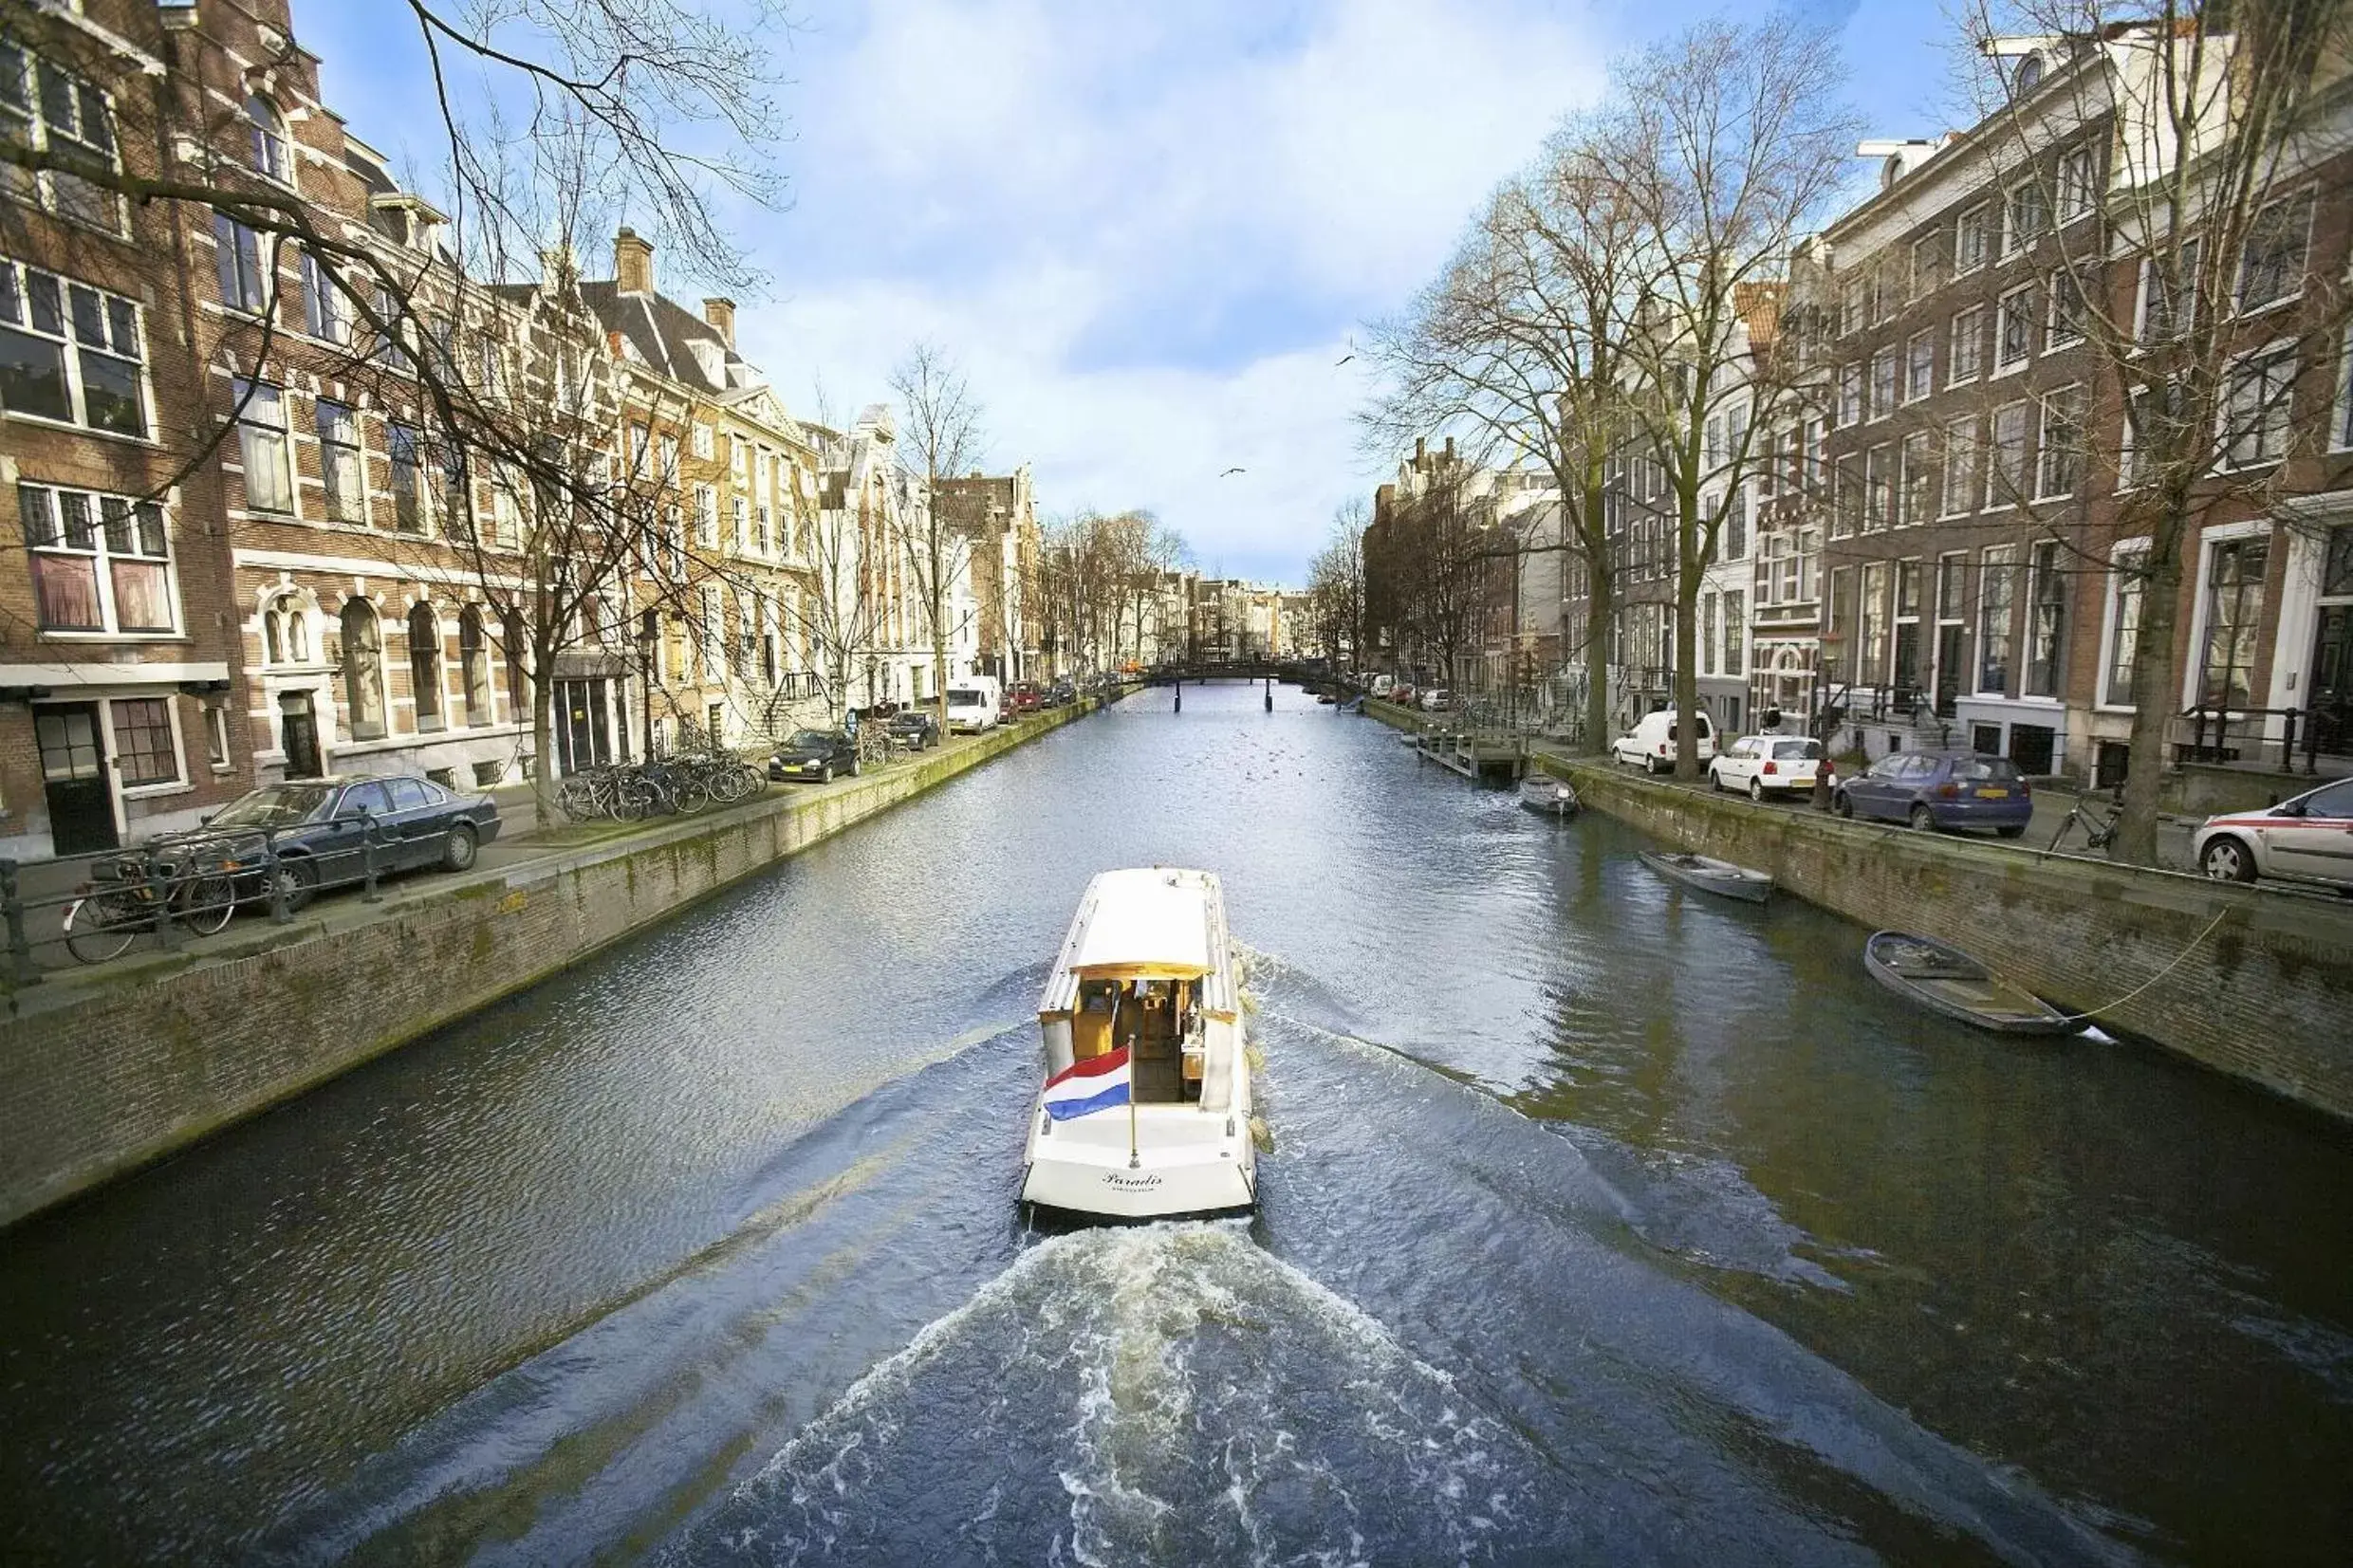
1382,685
973,704
1653,743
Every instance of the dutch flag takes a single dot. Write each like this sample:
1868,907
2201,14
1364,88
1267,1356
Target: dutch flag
1096,1084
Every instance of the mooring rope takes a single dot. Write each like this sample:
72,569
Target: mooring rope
2081,1017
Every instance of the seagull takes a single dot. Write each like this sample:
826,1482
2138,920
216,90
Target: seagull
1231,472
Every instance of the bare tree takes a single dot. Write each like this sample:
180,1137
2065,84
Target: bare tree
2189,279
1336,586
1725,144
940,438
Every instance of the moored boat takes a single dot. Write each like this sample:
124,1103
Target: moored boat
1943,979
1712,875
1550,796
1146,1107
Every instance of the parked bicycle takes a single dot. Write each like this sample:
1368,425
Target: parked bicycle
131,895
2099,823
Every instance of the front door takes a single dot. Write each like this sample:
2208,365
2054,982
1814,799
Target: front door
2330,701
584,724
73,775
299,730
1948,668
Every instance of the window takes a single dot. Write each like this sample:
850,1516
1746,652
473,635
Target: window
672,544
391,336
2014,337
2006,475
742,510
324,316
1880,493
1927,257
267,128
2025,213
2235,573
1708,628
147,751
363,671
1883,383
340,467
1846,499
245,282
2079,189
1916,500
2152,435
454,493
1768,462
2271,264
2159,320
641,449
2341,424
2069,311
1711,447
1968,358
262,445
1969,241
1907,671
2047,614
1997,576
425,666
1919,366
51,109
703,442
1736,632
408,512
2059,464
217,737
2123,631
286,631
705,517
1850,307
1736,524
70,352
1850,396
1871,649
2258,393
100,562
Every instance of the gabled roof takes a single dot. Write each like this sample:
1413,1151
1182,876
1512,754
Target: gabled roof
669,339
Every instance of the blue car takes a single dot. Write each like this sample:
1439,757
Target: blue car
1936,790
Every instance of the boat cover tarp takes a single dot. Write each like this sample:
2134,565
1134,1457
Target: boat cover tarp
1145,921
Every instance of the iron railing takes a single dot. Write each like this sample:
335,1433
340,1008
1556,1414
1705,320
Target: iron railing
2222,735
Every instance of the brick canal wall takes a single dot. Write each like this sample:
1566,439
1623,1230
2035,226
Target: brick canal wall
121,1067
2265,996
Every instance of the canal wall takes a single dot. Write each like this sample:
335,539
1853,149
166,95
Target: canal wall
2249,981
103,1072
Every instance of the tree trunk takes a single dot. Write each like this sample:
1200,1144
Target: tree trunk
1601,618
543,747
940,676
2157,679
1686,677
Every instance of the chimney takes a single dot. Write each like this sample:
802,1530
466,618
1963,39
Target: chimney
720,314
1421,446
633,263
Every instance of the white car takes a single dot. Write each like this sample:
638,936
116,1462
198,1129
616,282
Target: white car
1436,698
1653,741
2311,837
1382,685
1765,763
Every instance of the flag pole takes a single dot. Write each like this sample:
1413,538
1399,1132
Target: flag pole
1133,1162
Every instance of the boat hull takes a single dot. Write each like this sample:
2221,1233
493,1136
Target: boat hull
1111,1189
1749,887
1969,993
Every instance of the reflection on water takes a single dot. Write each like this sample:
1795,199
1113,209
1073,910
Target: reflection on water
1604,1221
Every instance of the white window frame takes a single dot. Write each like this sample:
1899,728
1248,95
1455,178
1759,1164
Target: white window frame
177,785
2084,190
2011,242
705,517
2306,195
72,346
2201,601
2030,315
2045,448
40,133
1915,384
1892,358
2112,610
1972,217
1955,374
1852,394
1998,496
252,429
2060,281
102,558
2225,447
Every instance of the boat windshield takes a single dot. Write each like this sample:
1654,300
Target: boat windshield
1156,1020
274,805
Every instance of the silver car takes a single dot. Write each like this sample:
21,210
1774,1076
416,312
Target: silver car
2310,837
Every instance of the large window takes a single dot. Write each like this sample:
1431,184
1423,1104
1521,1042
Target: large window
1879,501
45,107
340,466
1917,494
2123,629
1871,651
2159,319
1883,383
146,751
473,666
2059,462
706,516
363,671
1850,396
1736,632
1968,358
2272,265
425,666
2257,398
266,129
2025,213
2069,311
263,447
1919,366
100,562
245,272
70,352
2234,572
325,314
1997,588
2006,475
2014,335
1969,241
408,508
2079,191
2047,616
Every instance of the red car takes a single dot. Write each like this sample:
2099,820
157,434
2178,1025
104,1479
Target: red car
1025,697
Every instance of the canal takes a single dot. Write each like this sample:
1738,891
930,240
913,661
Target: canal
1601,1223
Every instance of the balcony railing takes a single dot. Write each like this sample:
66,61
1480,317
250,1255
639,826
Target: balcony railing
2266,737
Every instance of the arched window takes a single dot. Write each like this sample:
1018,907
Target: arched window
269,131
425,665
273,633
513,648
364,670
286,631
473,666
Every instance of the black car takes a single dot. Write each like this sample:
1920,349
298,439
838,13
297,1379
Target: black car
326,830
814,756
916,728
1061,691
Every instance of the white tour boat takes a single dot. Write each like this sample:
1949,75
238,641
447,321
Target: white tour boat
1146,1108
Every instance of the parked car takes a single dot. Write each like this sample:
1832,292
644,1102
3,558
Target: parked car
815,755
1382,685
1936,790
1653,740
1025,698
2310,835
1061,691
1761,764
323,832
1401,694
1436,698
975,704
916,728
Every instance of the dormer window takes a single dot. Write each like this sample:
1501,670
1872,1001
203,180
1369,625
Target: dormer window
267,127
2029,72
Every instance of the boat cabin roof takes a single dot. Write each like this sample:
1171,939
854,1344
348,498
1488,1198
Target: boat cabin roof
1155,922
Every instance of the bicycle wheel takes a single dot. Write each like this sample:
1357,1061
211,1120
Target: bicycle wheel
632,798
688,795
2065,822
102,925
207,904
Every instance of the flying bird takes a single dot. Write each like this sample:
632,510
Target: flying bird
1230,471
1341,360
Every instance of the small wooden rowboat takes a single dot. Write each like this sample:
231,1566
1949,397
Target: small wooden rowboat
1552,797
1709,876
1946,980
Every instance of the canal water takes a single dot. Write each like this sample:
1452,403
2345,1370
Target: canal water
1602,1222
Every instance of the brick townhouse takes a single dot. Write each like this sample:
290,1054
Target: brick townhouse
118,649
998,514
1968,477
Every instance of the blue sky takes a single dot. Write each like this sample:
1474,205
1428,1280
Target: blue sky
1147,230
